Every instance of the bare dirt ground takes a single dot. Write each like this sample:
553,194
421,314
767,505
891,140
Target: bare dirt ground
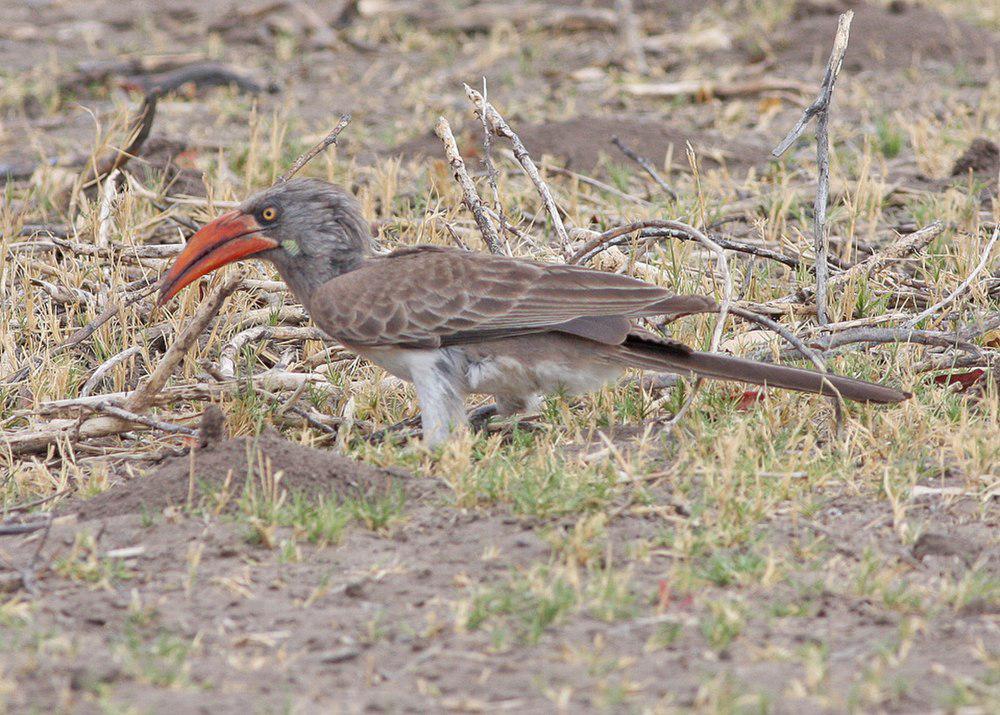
748,559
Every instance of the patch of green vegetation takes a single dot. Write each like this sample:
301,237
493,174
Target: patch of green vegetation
527,605
317,520
538,483
378,512
155,656
889,138
722,624
84,562
725,568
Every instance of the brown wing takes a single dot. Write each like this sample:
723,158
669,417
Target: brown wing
431,297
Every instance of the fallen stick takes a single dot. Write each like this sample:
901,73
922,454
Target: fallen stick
200,75
470,196
83,427
821,108
99,71
881,336
798,345
645,165
227,358
151,422
143,395
491,171
658,228
900,248
201,391
500,127
703,90
106,366
110,250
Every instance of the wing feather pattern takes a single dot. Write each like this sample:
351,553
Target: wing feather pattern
431,297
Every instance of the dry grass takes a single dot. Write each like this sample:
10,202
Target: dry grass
710,488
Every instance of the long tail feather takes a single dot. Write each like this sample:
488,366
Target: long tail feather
672,357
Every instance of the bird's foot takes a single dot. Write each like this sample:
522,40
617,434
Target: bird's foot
479,418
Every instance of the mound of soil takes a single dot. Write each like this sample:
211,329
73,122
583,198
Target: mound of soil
304,469
580,143
893,37
982,157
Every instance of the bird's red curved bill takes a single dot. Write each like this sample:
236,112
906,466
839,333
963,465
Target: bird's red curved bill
229,238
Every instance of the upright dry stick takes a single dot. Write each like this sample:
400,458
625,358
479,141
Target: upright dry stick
469,194
491,169
500,127
821,107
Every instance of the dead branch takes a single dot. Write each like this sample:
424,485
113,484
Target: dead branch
37,502
645,165
469,194
227,358
151,422
500,127
901,247
947,300
197,392
821,108
143,395
491,171
99,71
881,336
107,365
657,229
329,139
198,75
703,90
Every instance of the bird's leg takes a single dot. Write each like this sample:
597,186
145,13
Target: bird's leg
442,401
510,405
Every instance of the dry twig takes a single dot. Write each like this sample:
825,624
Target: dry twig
706,89
500,127
326,141
151,422
646,166
821,108
469,194
144,395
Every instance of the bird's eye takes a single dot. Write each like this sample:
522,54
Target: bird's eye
269,214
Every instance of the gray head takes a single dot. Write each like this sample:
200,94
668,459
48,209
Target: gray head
311,230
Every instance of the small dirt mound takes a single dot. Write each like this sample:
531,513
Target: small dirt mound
982,157
304,469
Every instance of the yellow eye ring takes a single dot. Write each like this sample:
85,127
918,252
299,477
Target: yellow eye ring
269,214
